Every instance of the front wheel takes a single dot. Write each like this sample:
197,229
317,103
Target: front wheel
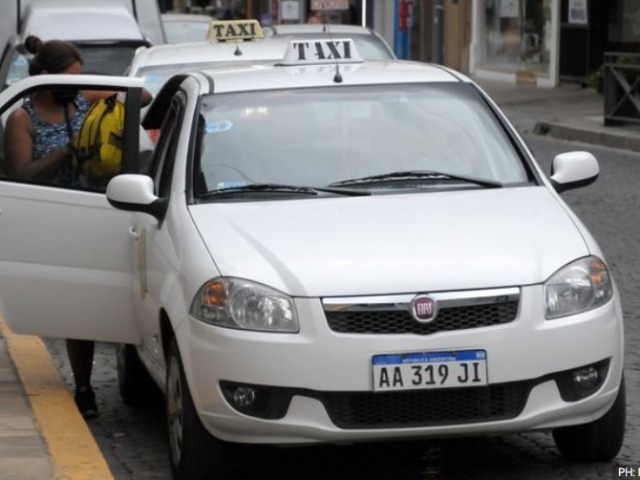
194,452
597,441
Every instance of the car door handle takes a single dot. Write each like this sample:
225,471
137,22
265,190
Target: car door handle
133,231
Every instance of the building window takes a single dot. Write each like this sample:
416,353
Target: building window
518,35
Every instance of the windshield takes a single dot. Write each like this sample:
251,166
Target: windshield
107,59
182,31
404,136
18,69
102,59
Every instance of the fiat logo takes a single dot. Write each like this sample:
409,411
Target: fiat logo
424,308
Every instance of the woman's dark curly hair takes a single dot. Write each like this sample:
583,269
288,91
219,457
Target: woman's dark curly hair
52,56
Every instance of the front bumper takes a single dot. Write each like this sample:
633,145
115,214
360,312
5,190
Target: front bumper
321,372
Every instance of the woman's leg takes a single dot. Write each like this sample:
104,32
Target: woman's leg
80,354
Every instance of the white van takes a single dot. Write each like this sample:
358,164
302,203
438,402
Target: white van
107,34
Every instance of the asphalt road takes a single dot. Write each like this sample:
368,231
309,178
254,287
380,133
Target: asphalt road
133,440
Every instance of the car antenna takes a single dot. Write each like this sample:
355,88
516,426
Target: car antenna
337,78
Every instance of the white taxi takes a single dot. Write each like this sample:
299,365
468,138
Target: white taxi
328,250
228,42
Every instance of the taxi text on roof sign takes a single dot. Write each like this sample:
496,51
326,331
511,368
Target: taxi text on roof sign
321,51
234,30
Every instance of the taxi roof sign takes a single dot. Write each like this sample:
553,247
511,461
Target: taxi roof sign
234,30
321,51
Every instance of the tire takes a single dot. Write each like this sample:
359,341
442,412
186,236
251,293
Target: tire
137,388
194,453
598,441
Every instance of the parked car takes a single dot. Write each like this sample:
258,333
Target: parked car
107,36
225,46
327,250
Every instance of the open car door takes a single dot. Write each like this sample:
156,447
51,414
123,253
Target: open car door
65,268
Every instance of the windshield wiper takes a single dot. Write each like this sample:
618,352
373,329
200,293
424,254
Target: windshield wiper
278,188
418,174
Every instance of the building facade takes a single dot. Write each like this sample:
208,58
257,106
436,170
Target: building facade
540,42
516,40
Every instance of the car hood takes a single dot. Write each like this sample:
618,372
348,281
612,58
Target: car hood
393,243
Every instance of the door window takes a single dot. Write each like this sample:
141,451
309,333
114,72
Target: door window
64,138
166,148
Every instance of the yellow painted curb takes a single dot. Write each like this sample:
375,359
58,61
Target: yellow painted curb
74,452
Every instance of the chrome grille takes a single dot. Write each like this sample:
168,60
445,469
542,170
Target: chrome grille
391,315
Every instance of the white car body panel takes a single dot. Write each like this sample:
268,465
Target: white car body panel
162,254
370,72
205,53
145,13
87,22
248,240
64,268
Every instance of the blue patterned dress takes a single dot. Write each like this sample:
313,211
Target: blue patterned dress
49,137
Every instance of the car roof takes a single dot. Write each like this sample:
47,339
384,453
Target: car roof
75,22
238,78
207,52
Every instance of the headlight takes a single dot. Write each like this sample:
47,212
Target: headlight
237,303
580,286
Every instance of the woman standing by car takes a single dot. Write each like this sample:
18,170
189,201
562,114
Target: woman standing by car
37,147
37,143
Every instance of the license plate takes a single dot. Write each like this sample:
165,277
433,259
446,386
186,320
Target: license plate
429,370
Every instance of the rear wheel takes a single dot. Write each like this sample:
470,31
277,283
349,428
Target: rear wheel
597,441
194,452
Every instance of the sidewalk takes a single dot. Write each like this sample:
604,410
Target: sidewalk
42,435
569,112
23,452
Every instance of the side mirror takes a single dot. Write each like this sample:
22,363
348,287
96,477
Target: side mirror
573,170
135,193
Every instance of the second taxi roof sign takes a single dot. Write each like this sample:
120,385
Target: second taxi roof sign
234,30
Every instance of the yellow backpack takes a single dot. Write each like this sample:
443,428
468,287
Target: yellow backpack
98,145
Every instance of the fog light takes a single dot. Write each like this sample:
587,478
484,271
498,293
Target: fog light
243,397
583,381
257,400
586,378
